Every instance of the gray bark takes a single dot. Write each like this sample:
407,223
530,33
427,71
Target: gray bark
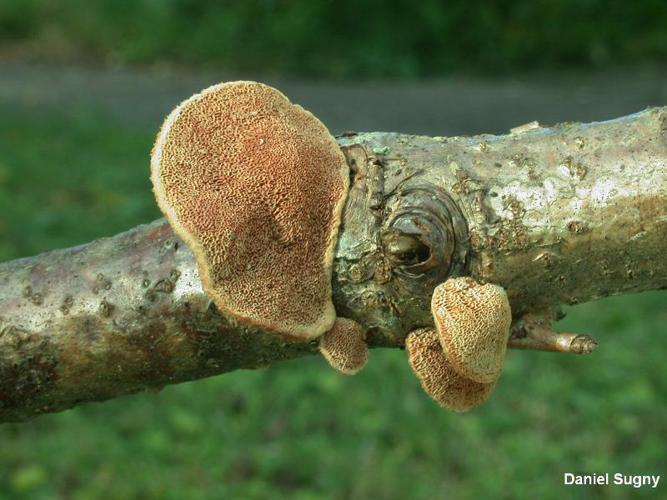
556,215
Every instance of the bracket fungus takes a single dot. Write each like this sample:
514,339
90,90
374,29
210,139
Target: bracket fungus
473,322
459,363
344,346
255,186
438,377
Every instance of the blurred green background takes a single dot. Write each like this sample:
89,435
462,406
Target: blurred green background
345,38
83,88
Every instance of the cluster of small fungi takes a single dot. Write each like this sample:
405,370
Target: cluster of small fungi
459,362
256,186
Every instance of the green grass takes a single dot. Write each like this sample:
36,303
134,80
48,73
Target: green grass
299,430
68,179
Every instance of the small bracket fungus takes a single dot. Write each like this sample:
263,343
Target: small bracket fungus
438,377
473,322
459,363
255,186
344,346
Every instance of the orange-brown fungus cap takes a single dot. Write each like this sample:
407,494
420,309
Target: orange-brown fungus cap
437,376
255,186
473,321
344,346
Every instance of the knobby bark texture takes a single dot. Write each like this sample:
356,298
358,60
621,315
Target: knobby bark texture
556,215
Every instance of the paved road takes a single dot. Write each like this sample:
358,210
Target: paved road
454,106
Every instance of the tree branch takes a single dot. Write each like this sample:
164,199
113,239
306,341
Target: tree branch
555,215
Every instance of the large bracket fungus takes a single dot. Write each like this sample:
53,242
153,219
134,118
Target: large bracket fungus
256,185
